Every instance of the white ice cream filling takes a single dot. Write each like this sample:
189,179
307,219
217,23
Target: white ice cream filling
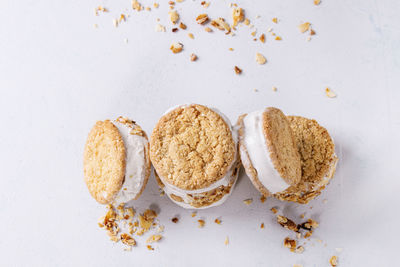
135,170
228,179
259,155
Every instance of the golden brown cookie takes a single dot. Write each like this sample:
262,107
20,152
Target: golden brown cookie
318,160
116,161
268,150
194,151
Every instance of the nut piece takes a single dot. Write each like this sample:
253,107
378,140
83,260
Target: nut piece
154,238
237,15
287,223
221,25
248,201
202,19
260,59
238,70
330,93
201,223
304,27
290,243
173,16
333,261
176,48
193,57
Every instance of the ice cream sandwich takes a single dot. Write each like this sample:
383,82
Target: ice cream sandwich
268,151
193,149
318,160
116,161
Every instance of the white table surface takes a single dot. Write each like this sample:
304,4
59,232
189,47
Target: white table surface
59,74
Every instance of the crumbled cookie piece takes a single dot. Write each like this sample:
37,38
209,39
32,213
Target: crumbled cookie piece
194,214
231,49
290,243
275,20
262,226
160,28
127,239
115,23
208,29
238,70
155,5
317,2
221,24
136,5
217,221
312,32
299,249
173,16
176,48
248,201
201,223
274,210
333,261
274,88
237,15
191,36
202,19
205,4
226,241
246,22
260,59
193,57
182,26
297,265
149,247
253,33
278,38
175,220
329,93
154,238
304,27
287,223
174,29
262,38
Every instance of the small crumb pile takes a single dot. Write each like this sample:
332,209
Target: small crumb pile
121,224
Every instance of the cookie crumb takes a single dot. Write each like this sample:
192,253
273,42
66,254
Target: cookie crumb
173,16
154,238
304,27
238,70
191,36
226,241
274,210
193,57
278,38
182,26
333,261
237,15
248,201
208,29
194,214
260,59
175,220
217,221
262,226
317,2
299,249
202,19
263,198
176,48
231,49
290,243
287,223
329,93
275,20
262,38
201,223
149,247
274,88
155,5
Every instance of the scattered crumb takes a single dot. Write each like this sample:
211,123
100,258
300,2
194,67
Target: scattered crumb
262,38
274,210
304,27
302,215
95,25
269,30
221,24
226,241
176,48
237,15
278,38
155,5
253,33
263,198
127,239
173,16
115,22
274,88
148,8
297,265
262,226
182,26
312,32
193,57
255,90
205,4
339,249
317,2
149,247
275,20
325,201
201,223
290,243
247,22
260,59
136,5
299,249
329,93
126,40
287,223
238,70
154,238
191,36
333,261
175,220
194,214
248,201
208,29
217,221
202,19
231,49
174,29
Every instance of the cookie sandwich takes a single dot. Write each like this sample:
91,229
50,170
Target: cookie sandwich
268,151
116,161
193,149
318,160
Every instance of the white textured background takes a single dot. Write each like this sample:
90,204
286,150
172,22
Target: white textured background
58,75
